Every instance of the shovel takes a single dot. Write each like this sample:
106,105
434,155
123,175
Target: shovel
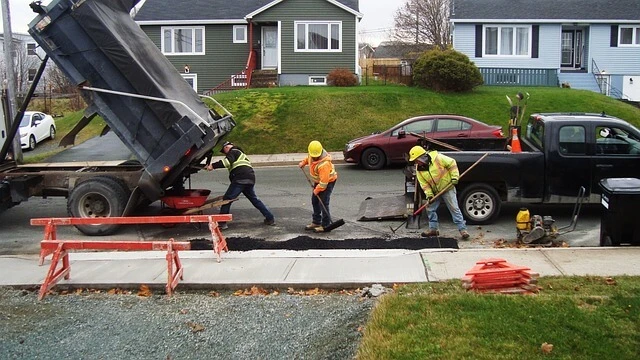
332,225
413,219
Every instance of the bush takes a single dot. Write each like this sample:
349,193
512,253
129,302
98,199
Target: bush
341,77
446,70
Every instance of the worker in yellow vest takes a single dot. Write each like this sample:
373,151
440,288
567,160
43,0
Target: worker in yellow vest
324,176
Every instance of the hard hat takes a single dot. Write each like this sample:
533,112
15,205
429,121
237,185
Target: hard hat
225,144
315,148
416,152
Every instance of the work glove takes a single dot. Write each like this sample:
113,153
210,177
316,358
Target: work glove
317,190
301,164
454,181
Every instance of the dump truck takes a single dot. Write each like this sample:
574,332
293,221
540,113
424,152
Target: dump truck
126,80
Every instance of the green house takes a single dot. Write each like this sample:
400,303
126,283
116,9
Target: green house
218,45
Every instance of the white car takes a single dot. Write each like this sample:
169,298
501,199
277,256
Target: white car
35,127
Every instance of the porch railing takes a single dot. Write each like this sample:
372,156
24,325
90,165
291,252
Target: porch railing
604,85
240,80
529,77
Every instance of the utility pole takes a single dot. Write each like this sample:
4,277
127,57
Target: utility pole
10,79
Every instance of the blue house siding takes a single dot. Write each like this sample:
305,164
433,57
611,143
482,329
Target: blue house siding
613,60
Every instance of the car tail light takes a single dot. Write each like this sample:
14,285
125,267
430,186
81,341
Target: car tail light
498,133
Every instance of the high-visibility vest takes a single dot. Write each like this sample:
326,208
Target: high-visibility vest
324,165
242,160
442,171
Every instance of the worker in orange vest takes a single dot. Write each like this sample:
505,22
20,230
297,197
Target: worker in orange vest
324,176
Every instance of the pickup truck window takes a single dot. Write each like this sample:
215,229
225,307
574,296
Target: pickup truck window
535,133
572,140
616,141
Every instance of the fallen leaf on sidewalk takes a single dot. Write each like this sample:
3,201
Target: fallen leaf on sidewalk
195,327
144,291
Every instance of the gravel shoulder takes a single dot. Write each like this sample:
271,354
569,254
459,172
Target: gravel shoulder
189,325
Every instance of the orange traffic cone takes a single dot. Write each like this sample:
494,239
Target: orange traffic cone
515,141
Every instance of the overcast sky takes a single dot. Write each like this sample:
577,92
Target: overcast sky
374,27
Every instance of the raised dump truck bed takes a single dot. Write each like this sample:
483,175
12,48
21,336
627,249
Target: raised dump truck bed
124,78
127,80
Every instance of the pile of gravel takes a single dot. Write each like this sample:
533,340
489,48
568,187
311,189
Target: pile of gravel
191,325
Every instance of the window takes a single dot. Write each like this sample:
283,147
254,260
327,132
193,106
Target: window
191,79
318,36
629,36
572,140
616,141
452,125
31,74
239,34
507,40
31,49
418,127
182,40
317,80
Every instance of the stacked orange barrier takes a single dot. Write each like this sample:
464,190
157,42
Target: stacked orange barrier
497,275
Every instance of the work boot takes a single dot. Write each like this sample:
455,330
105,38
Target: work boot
312,226
223,226
431,232
320,229
464,234
270,222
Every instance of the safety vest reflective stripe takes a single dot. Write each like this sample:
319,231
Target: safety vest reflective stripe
314,171
242,160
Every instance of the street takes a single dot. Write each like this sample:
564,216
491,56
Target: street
286,192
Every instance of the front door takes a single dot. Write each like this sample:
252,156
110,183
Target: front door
269,47
571,48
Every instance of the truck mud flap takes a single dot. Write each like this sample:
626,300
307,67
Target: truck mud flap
386,208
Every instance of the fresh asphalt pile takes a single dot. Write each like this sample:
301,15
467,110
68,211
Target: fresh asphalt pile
194,325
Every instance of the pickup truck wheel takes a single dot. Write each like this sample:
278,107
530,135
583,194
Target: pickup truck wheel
480,204
373,159
101,196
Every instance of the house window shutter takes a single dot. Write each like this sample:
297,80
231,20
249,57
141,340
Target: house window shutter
535,41
614,36
478,41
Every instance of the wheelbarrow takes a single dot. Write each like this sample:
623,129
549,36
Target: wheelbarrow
190,201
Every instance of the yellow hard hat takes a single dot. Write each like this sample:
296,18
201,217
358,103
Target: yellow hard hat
416,152
315,148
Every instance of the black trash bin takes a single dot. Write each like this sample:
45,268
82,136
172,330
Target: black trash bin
619,223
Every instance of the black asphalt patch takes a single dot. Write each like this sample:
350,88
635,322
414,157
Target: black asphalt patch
309,243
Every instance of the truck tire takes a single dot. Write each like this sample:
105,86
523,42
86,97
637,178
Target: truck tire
373,159
100,196
480,204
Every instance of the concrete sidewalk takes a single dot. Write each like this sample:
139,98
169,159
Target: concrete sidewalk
312,268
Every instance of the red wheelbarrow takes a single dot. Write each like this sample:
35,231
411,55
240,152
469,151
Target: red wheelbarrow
191,201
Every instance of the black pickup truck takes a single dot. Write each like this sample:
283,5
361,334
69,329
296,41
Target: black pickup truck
560,153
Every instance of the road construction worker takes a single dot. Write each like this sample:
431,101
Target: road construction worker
243,180
324,176
437,172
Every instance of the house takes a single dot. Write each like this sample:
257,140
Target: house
217,44
591,44
26,60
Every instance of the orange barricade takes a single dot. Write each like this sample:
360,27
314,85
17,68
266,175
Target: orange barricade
59,248
497,275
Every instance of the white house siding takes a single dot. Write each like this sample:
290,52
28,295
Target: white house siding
613,60
549,49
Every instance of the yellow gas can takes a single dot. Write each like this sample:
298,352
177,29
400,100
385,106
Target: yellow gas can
522,219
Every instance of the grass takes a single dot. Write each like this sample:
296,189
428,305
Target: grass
281,120
582,317
284,120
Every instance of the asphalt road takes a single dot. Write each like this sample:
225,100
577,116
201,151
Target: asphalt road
285,190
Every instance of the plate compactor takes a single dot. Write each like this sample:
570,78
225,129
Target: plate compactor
536,229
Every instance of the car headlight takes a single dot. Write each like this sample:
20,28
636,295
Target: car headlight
23,135
351,146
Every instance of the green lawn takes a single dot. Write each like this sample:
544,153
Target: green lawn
284,120
582,317
281,120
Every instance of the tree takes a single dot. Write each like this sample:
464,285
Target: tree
423,22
